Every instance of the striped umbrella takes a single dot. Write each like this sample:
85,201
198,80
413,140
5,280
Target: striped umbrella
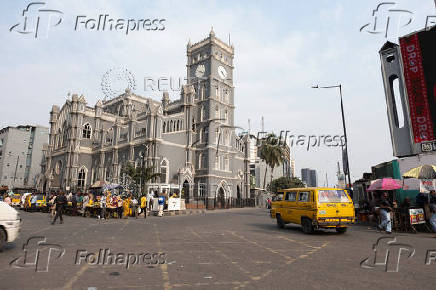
422,172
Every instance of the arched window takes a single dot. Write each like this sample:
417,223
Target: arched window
164,127
178,125
164,171
171,126
205,134
81,178
200,160
86,132
168,127
174,126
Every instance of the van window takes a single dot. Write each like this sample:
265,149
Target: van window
332,195
291,196
278,197
304,196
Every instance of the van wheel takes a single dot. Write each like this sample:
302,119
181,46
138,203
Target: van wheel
307,226
280,222
2,239
341,230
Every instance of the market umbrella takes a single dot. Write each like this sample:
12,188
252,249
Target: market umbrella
111,186
98,184
422,172
385,184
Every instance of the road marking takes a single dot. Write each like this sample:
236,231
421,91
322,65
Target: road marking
163,267
69,284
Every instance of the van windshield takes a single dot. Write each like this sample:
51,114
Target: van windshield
332,195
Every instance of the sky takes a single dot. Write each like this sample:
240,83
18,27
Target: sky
282,48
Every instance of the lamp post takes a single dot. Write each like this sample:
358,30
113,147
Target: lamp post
343,125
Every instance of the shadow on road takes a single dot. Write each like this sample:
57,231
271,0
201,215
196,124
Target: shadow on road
289,228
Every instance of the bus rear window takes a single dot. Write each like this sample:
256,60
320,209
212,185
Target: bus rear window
332,195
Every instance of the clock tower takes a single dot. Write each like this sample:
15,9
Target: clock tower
210,72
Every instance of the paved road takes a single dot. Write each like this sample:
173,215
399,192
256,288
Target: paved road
239,248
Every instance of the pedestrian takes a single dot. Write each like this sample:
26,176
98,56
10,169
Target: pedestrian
60,202
85,202
134,204
161,202
102,207
52,204
144,205
119,207
385,212
433,210
74,204
150,200
8,200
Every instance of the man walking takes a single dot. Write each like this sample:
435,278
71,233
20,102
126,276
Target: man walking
60,201
144,205
161,201
385,212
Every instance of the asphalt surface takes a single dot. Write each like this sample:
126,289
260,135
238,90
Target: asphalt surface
222,249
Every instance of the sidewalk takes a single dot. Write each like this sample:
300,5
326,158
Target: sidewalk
179,212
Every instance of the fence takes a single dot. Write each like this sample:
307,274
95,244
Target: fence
218,203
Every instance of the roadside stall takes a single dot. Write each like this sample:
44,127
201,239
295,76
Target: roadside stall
388,185
420,215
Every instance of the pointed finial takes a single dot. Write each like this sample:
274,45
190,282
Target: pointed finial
189,42
212,33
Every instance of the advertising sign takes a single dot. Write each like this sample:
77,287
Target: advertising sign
419,62
173,203
427,185
416,216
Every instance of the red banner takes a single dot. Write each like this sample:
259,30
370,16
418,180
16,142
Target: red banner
420,114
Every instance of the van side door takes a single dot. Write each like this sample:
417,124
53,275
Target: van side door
305,204
290,207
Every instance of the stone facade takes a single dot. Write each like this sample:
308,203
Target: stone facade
191,141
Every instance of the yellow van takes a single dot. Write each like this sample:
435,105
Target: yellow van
313,208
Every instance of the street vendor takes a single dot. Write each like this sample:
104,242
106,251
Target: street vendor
385,212
144,205
126,207
432,206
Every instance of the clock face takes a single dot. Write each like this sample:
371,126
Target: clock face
199,71
222,72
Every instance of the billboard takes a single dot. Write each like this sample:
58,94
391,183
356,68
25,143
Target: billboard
418,52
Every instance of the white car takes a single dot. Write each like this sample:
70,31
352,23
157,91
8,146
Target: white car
10,223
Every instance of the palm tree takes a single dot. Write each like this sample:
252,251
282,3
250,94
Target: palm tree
139,176
272,153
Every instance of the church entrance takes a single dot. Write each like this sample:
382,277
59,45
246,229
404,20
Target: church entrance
185,191
221,202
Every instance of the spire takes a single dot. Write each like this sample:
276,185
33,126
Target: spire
211,33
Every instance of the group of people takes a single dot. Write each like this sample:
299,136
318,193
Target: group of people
384,207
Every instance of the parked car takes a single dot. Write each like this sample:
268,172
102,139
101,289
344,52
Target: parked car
10,224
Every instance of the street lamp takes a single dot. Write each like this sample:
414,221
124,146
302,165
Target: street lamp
343,125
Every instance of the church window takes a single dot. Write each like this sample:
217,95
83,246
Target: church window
86,132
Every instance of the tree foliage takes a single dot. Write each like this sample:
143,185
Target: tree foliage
140,175
271,152
284,183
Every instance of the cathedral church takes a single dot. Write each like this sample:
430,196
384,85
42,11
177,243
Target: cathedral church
190,142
